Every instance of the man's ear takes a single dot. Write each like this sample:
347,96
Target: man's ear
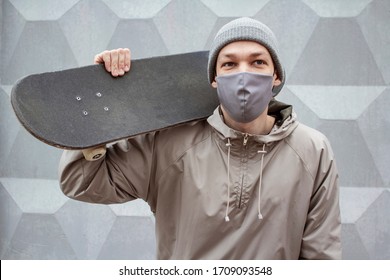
214,84
277,81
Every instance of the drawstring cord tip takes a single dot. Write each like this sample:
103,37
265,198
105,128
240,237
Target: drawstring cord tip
260,216
228,145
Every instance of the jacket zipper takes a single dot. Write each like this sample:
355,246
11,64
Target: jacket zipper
246,136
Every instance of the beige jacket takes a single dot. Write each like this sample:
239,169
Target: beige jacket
278,191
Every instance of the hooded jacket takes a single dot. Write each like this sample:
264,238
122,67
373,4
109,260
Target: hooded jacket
220,194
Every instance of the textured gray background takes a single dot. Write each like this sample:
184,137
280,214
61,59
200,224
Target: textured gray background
337,57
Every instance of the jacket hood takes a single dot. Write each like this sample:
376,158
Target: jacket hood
285,123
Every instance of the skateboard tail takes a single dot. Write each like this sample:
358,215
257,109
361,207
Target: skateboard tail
20,110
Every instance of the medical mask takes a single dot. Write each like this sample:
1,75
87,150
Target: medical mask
244,95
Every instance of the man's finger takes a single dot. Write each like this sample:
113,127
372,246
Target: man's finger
114,62
98,58
106,57
127,60
121,62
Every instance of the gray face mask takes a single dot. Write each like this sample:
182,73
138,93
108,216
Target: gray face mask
244,95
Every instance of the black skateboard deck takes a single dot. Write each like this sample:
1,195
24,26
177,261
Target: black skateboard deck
86,107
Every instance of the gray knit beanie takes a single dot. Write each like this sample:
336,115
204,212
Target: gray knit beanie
246,29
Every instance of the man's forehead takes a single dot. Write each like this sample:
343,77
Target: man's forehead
248,47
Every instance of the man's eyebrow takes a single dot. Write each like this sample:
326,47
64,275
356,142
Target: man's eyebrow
256,54
232,55
228,55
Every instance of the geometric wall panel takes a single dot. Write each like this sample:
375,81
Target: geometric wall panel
136,207
233,8
374,124
141,36
356,201
353,247
333,57
374,23
9,127
130,238
86,227
306,115
88,15
10,215
373,227
136,8
30,158
178,24
39,237
337,8
354,161
35,196
39,10
9,40
365,221
43,43
347,102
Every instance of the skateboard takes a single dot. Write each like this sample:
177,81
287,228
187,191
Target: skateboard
84,108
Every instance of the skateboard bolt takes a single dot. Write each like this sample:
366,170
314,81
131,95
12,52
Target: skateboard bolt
85,113
78,98
98,94
106,109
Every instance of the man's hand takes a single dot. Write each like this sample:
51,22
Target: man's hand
117,62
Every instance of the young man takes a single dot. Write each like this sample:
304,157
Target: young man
250,182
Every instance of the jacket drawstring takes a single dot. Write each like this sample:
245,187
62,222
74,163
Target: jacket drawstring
228,144
262,152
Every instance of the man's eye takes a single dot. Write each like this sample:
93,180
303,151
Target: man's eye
259,62
228,64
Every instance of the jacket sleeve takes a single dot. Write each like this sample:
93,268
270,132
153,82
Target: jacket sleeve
322,234
124,173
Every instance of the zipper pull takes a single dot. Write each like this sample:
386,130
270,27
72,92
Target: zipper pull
246,136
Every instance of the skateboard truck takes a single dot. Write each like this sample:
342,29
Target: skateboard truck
94,153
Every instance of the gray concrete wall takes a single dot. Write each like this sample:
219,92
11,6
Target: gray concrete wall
336,55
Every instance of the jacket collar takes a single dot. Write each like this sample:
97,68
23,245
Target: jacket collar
285,123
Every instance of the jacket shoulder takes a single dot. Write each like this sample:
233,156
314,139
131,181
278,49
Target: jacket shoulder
311,146
308,134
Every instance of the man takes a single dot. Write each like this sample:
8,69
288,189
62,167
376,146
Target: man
250,182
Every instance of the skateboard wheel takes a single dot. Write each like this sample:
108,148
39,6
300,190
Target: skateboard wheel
93,154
